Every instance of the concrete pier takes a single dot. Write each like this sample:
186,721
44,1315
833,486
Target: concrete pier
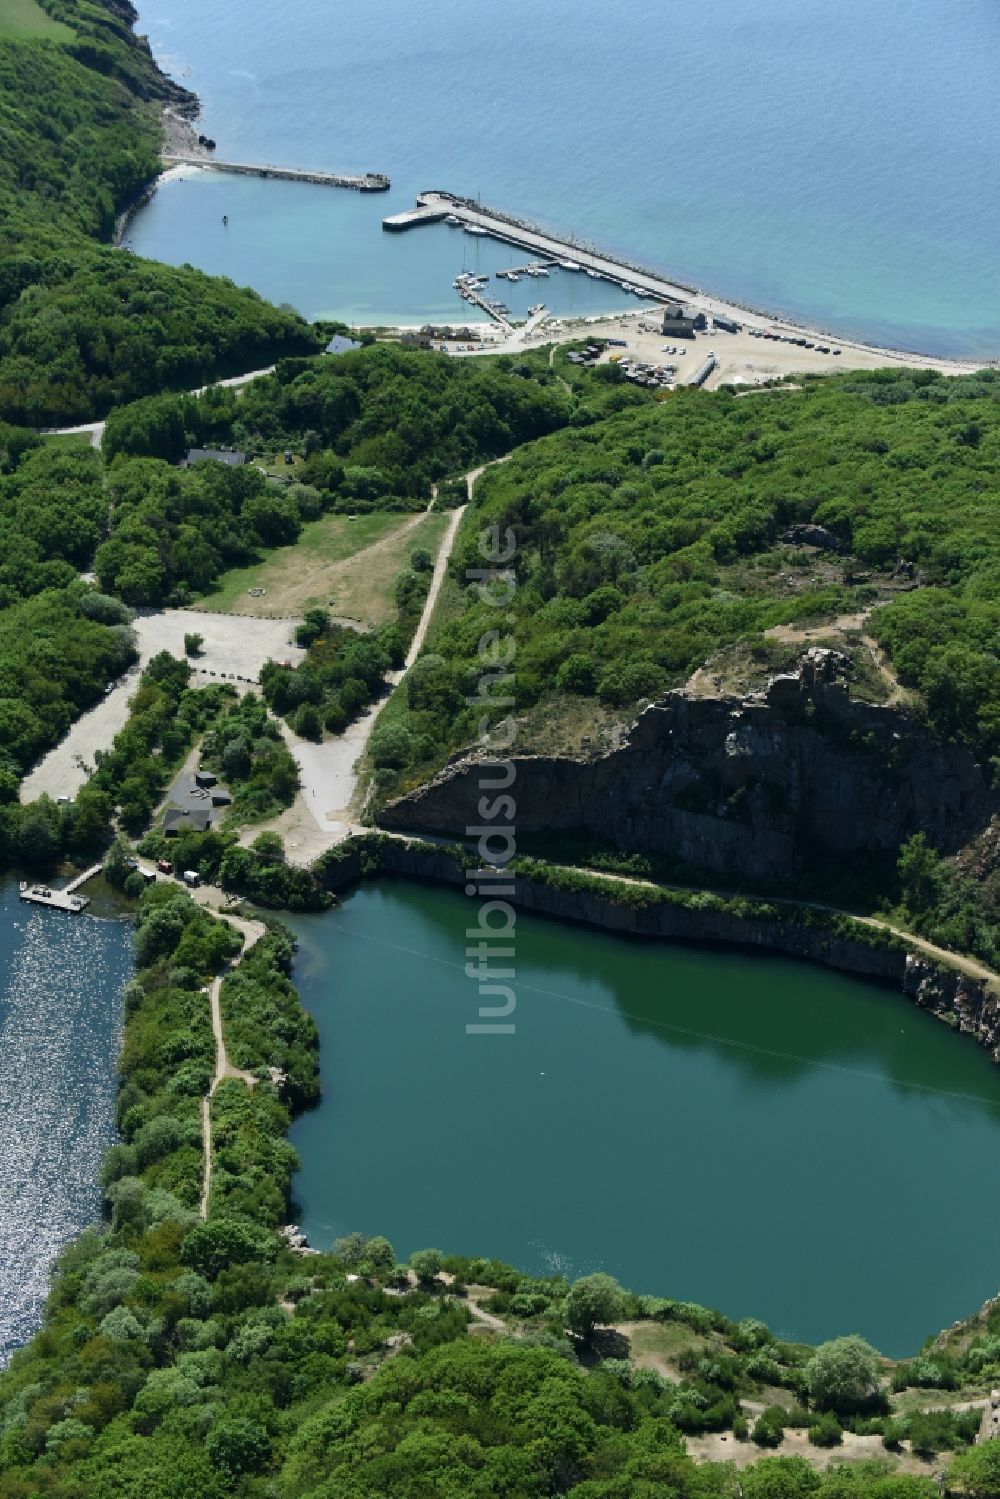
546,248
397,223
368,182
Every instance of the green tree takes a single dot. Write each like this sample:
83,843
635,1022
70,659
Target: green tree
379,1257
919,867
391,747
844,1375
591,1300
236,1446
426,1264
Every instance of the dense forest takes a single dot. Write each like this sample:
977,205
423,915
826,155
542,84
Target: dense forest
649,541
185,1355
377,427
83,325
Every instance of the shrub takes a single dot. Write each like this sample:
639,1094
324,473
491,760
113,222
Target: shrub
827,1431
768,1429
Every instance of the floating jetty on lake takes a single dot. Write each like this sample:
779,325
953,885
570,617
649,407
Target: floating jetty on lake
547,249
60,900
367,182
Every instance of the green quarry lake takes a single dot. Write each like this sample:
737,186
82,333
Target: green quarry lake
759,1135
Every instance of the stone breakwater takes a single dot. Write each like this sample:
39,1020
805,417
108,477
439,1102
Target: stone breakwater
755,787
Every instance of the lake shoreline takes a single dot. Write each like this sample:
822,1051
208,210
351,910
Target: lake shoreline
646,911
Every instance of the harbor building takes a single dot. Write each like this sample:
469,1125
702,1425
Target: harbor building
680,322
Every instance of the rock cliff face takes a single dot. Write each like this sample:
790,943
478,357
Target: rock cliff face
751,787
965,1003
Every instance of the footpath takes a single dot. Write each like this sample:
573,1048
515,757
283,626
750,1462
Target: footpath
252,932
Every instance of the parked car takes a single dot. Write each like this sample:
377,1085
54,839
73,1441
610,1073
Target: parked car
164,866
191,878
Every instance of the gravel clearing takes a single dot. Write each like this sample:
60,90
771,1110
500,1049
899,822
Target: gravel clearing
234,647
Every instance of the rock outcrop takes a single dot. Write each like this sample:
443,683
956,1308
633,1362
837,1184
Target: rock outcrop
756,787
967,1004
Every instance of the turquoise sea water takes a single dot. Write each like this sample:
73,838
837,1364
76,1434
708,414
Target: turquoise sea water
838,162
61,979
762,1136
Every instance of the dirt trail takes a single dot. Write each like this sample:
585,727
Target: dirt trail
208,895
969,966
321,815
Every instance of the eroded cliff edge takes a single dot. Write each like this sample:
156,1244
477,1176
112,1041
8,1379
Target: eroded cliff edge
758,787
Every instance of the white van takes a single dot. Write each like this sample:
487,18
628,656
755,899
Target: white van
191,878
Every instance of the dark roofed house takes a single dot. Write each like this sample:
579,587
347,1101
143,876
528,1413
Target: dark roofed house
205,778
682,323
231,456
178,820
341,345
220,797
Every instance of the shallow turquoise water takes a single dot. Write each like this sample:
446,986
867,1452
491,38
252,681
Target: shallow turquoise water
61,979
759,1135
838,162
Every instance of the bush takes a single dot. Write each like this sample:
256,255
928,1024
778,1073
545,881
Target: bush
827,1431
306,721
193,644
391,747
769,1427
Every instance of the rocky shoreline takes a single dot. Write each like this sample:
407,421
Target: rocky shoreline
637,909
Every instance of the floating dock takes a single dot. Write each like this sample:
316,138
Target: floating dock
547,249
533,268
59,900
367,182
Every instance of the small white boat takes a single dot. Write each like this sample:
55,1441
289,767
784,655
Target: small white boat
569,265
594,275
475,229
540,270
453,221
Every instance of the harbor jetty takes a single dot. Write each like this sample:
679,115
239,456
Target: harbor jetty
547,250
367,182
